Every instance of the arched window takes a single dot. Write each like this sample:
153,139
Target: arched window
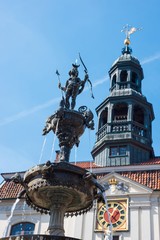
138,115
103,118
23,228
114,80
134,78
120,112
123,76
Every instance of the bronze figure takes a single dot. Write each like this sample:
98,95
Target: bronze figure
74,86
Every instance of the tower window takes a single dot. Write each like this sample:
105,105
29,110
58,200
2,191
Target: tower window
22,228
118,151
114,80
113,151
122,150
138,115
103,118
120,112
123,76
134,78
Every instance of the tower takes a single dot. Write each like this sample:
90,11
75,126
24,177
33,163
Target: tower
125,117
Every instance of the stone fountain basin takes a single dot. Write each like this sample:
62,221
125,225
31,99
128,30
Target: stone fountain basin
68,118
46,184
66,121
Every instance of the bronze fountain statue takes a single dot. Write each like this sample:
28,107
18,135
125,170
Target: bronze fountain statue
62,189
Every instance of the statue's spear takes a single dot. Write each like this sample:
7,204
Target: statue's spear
59,81
86,71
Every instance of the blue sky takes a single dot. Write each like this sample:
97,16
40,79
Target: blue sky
39,36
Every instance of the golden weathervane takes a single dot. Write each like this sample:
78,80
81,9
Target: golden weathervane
128,30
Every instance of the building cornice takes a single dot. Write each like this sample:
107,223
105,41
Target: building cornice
128,168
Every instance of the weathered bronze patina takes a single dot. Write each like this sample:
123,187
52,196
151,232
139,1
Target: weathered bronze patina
69,125
62,189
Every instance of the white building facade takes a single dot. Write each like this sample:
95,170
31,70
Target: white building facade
134,213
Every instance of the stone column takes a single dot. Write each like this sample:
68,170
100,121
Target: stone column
110,116
57,211
130,116
130,110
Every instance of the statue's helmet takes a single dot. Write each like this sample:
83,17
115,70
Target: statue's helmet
74,70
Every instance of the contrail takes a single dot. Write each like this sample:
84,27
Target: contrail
37,108
28,112
151,59
100,81
53,101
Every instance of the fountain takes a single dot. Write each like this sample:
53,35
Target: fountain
61,188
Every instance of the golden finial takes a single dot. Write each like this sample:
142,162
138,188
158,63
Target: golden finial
128,30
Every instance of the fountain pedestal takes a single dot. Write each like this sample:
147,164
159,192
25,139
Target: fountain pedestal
60,203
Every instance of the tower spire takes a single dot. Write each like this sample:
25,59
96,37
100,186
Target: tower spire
125,117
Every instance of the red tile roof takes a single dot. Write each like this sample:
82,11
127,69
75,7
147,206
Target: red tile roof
155,160
10,190
86,165
150,179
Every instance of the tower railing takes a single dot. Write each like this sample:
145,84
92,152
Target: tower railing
138,131
102,132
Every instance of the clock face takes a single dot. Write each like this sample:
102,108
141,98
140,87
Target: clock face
115,215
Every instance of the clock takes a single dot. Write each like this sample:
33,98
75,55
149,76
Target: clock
114,214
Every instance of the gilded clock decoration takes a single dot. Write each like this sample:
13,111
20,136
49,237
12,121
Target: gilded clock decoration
116,215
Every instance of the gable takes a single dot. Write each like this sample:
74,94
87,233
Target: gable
117,184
